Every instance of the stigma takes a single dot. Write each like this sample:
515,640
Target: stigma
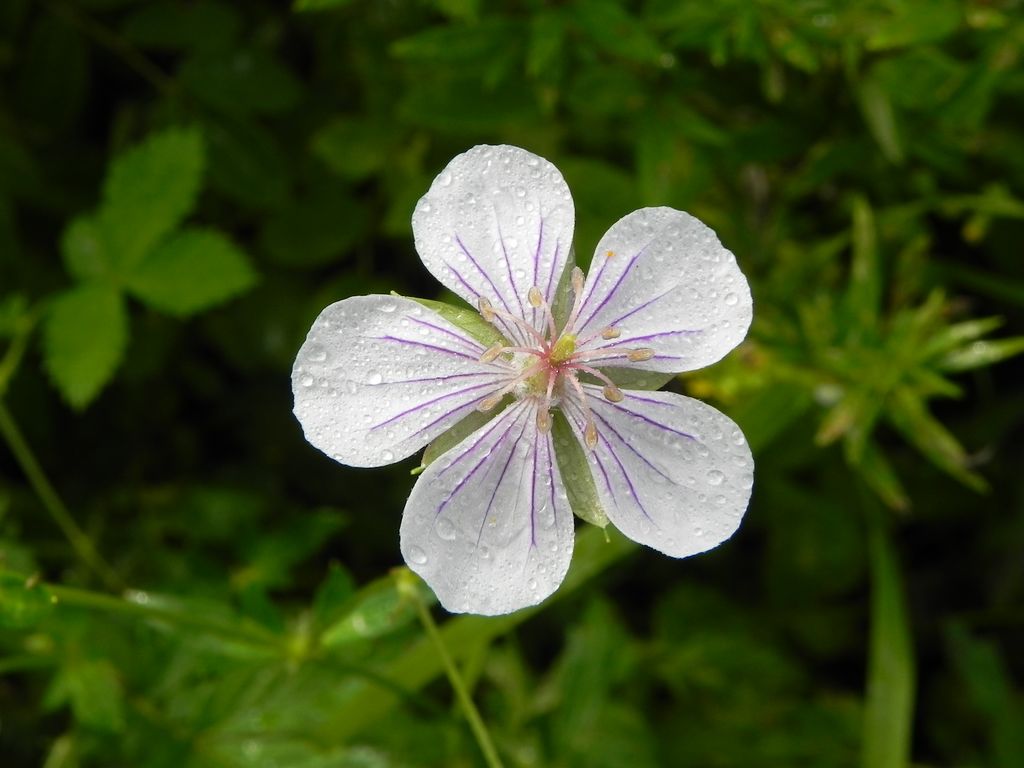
548,368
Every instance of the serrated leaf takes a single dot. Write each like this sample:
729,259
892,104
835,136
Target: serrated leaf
576,475
194,270
84,337
148,191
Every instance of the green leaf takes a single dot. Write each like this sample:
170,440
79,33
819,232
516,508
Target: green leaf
377,609
889,708
576,475
880,117
332,596
979,354
355,148
194,270
22,604
907,412
84,338
916,22
877,472
241,81
84,249
865,290
319,5
148,191
93,688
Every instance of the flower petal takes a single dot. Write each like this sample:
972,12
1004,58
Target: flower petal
379,377
488,525
497,221
671,472
668,285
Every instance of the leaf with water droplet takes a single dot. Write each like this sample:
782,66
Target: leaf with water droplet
576,476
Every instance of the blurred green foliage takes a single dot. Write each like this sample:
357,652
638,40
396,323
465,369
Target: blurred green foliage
185,184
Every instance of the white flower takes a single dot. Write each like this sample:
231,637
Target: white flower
488,524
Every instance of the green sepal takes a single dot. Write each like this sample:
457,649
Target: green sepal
465,318
576,476
448,440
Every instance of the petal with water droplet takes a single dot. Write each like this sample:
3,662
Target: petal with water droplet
665,282
497,221
487,525
671,472
370,389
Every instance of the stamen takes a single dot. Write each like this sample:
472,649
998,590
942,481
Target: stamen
492,352
609,254
578,281
486,309
489,403
544,420
612,393
611,390
610,333
590,430
639,355
492,400
536,299
489,313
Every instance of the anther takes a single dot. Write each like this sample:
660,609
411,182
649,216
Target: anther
609,254
488,403
535,297
610,333
577,280
492,353
486,309
544,420
639,355
612,393
590,435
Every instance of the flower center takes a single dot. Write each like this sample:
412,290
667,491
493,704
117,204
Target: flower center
553,362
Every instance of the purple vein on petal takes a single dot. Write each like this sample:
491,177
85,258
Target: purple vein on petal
468,343
485,433
424,344
533,496
508,265
625,476
642,417
439,398
501,479
625,271
446,377
617,322
629,445
500,297
458,486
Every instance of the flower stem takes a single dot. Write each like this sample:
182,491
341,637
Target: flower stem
407,586
52,502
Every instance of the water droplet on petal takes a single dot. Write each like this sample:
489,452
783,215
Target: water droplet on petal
715,477
306,380
417,556
316,353
445,179
387,306
387,455
446,529
732,299
373,377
